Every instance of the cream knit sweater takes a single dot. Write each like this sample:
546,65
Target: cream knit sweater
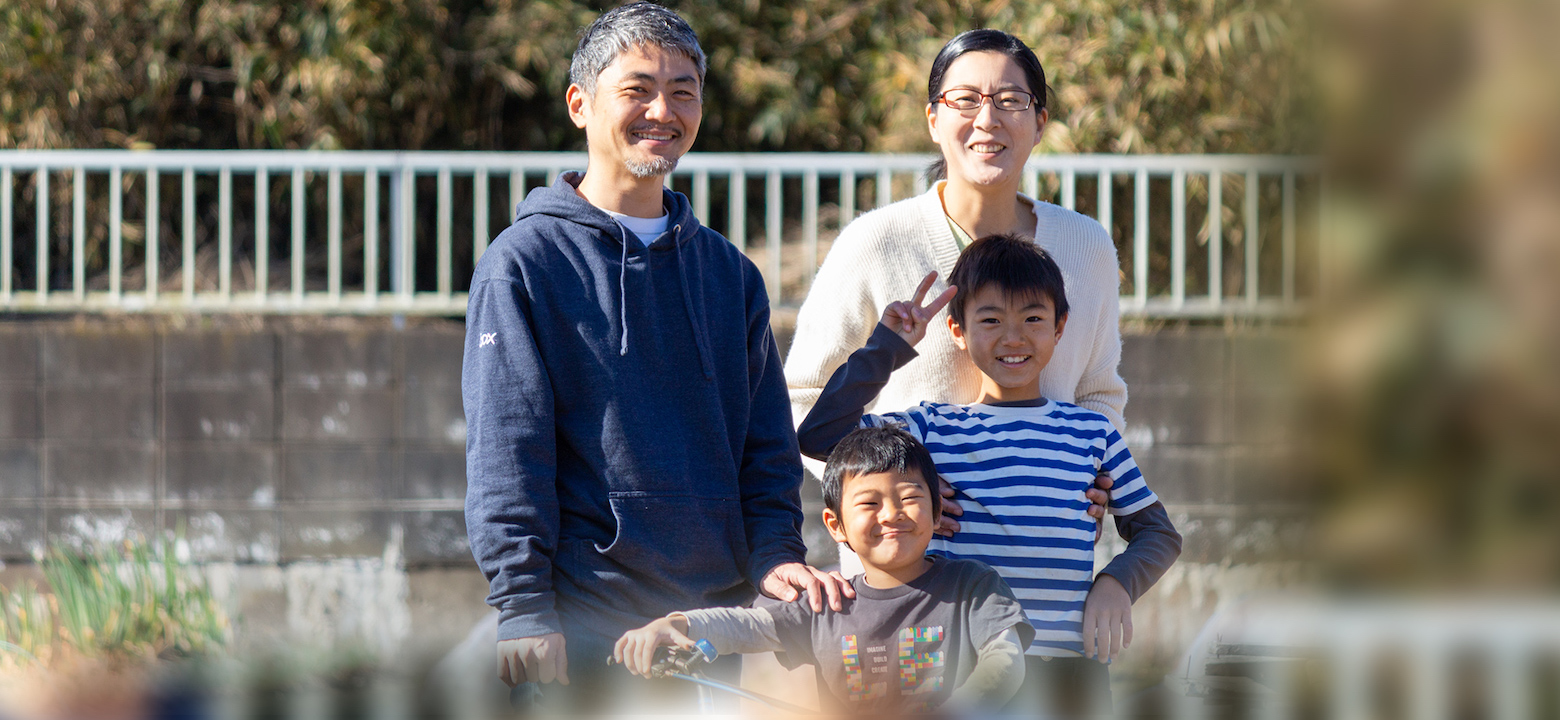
882,256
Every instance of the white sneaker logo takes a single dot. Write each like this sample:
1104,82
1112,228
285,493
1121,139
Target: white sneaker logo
488,339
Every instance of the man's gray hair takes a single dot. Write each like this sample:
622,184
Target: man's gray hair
632,25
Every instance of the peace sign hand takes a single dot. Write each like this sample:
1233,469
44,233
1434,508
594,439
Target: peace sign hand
909,319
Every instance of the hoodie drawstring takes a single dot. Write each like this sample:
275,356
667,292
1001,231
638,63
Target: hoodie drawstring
699,339
623,294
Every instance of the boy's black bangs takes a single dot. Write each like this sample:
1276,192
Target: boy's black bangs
873,450
1013,263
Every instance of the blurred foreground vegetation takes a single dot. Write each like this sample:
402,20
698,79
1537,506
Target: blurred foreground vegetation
1161,76
1438,356
136,601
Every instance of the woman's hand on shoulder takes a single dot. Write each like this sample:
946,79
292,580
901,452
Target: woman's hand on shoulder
909,318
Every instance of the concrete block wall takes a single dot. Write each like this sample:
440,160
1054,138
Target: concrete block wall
283,440
1212,418
262,442
322,461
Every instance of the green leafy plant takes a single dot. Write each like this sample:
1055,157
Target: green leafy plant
135,600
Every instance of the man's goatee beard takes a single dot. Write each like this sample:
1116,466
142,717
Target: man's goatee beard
654,168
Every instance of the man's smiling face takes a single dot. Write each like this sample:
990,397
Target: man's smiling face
644,114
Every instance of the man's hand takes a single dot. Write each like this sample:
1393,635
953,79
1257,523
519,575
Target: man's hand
909,319
1099,496
785,581
636,649
1107,620
539,659
947,526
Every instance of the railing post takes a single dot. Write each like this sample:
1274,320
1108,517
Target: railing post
1289,238
1215,238
298,288
225,233
736,223
1140,241
885,187
333,234
847,197
371,235
398,228
5,235
480,209
1253,247
41,178
1069,189
407,252
1511,678
1103,213
1428,677
116,217
516,191
262,234
153,229
810,221
1323,249
1178,237
772,230
444,244
78,234
701,196
189,236
1350,680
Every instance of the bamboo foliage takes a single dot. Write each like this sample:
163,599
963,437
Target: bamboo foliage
1158,76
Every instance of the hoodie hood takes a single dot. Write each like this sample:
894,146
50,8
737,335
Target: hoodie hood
562,201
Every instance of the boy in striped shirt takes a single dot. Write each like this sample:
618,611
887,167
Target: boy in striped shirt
1019,464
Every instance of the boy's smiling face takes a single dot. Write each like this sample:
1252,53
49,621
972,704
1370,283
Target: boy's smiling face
886,518
1010,337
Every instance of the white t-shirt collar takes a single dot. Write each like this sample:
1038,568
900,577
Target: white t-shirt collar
646,229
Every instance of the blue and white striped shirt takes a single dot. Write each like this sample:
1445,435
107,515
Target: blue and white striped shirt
1020,474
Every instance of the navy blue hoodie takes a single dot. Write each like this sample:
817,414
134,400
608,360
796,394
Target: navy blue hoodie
629,447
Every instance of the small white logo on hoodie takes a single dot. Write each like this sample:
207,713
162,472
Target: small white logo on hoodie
488,339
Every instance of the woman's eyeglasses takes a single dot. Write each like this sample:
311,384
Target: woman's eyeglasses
969,101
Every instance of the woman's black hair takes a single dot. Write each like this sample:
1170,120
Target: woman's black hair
987,40
983,40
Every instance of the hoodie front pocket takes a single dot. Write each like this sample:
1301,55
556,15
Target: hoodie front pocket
696,544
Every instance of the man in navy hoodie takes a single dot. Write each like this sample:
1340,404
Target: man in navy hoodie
630,449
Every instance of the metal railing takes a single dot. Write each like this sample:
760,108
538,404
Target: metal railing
386,232
1297,656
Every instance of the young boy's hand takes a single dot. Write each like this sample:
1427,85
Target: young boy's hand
1107,619
909,319
636,649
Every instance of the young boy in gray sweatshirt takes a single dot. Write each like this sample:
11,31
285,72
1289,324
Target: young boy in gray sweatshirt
923,633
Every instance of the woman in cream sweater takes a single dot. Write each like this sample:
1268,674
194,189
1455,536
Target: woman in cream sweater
985,110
